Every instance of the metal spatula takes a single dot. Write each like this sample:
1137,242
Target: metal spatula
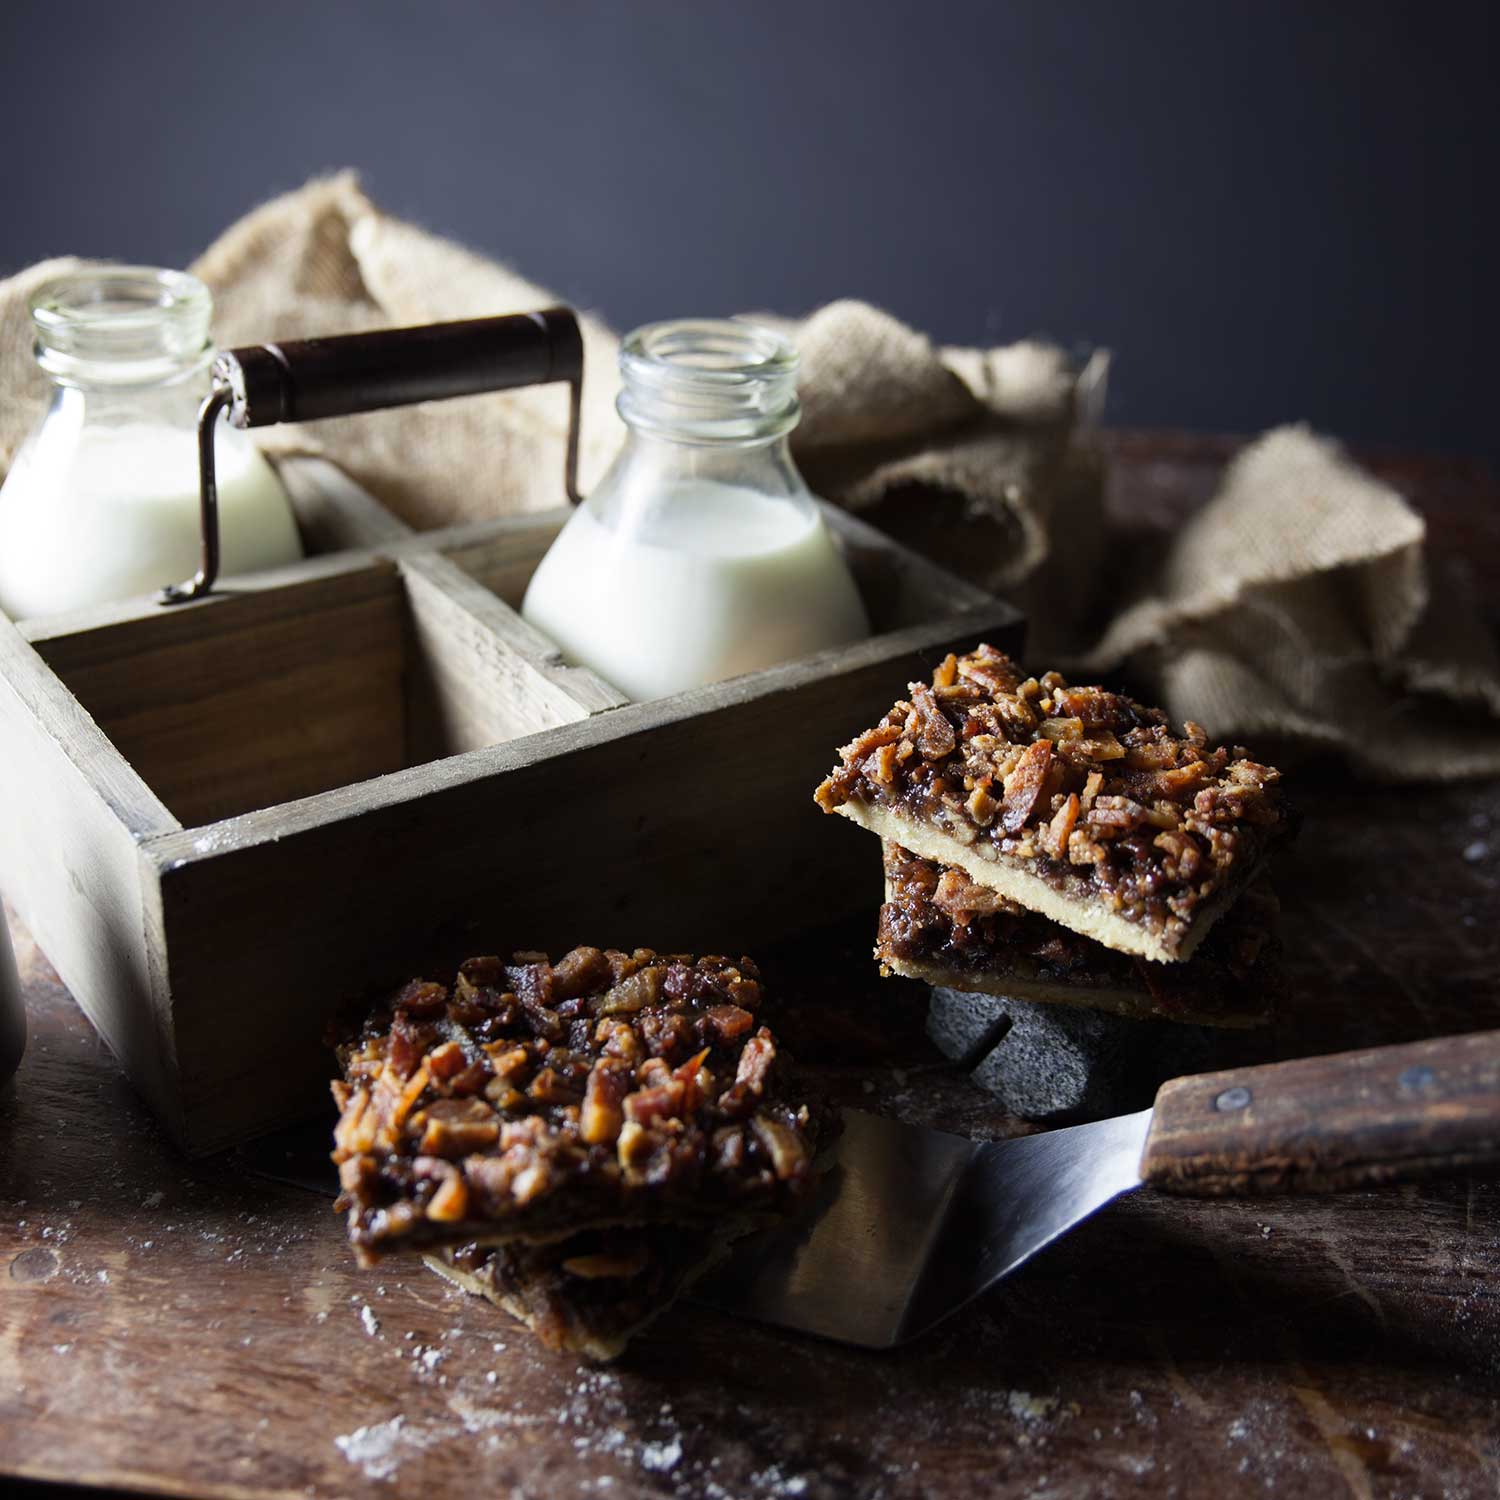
913,1224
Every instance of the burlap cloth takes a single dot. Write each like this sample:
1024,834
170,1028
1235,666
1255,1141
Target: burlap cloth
1294,610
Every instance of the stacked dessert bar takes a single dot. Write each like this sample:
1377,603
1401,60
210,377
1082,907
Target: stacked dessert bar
574,1141
1046,842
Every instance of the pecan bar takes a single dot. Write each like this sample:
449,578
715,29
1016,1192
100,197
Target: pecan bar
535,1101
1074,802
937,925
590,1293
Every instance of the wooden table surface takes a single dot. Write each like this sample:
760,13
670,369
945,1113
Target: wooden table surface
190,1329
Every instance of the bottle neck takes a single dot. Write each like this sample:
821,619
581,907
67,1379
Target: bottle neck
125,329
709,384
766,466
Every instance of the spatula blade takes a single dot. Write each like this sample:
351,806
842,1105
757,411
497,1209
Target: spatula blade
1016,1198
912,1223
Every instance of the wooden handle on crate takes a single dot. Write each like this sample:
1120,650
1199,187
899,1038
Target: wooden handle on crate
263,384
358,372
1320,1124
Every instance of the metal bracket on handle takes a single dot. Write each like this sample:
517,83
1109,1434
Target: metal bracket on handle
202,581
264,384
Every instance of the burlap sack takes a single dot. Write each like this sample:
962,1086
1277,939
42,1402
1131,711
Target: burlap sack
882,408
1295,608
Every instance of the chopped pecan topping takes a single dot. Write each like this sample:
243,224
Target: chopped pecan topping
935,735
1060,829
1023,787
604,1102
956,894
601,1266
534,1098
1095,792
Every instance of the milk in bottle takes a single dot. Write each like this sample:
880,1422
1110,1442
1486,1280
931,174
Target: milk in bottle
701,555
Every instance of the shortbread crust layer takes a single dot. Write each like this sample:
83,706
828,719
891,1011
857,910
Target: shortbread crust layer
940,927
1075,802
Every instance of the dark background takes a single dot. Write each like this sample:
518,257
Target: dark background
1268,210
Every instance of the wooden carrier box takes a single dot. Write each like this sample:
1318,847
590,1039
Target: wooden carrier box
223,820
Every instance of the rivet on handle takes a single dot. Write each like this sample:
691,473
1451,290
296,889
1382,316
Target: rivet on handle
1235,1098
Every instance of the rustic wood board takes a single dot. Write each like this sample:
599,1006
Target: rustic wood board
185,1328
690,819
383,745
182,1328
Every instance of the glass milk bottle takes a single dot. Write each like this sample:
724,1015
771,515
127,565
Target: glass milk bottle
101,502
701,554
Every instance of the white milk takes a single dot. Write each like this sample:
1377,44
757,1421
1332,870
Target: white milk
723,580
107,513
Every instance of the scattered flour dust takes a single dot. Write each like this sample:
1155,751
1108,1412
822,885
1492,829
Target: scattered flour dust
379,1450
1028,1408
661,1458
477,1418
368,1318
621,1443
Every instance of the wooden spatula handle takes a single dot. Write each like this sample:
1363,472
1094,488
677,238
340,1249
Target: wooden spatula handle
1324,1123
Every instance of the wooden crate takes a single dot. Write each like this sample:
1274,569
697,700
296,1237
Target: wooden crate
225,819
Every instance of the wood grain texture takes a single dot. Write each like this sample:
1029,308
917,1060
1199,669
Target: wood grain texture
1304,1348
687,823
73,815
250,699
332,735
899,587
333,513
1321,1124
1299,1347
503,555
490,675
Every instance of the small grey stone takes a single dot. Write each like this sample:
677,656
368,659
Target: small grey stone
1066,1062
957,1021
